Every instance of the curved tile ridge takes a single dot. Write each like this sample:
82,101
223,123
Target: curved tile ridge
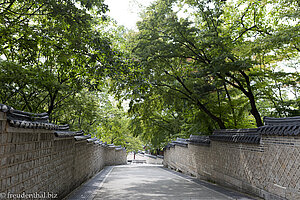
250,136
21,119
31,124
236,131
35,125
64,127
288,130
97,141
91,140
82,137
104,144
27,116
118,148
289,126
4,108
199,140
64,134
271,121
168,146
111,146
180,142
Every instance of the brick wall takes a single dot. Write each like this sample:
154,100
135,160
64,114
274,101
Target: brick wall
35,160
269,168
149,159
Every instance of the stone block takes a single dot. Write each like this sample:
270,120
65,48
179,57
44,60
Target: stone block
3,161
14,179
2,116
3,138
35,161
271,168
8,182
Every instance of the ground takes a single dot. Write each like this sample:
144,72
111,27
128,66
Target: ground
145,182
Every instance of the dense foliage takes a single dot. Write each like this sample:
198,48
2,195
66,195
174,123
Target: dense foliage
192,66
206,65
51,54
56,57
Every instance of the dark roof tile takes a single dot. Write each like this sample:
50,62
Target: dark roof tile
90,140
199,140
21,119
63,134
271,121
284,130
82,137
5,108
237,135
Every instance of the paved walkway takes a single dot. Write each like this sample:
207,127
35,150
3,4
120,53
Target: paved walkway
147,182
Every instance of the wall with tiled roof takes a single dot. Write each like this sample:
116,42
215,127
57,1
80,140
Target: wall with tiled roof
37,156
264,161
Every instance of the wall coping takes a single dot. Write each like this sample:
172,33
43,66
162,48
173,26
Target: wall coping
250,136
64,134
271,121
26,120
202,140
280,130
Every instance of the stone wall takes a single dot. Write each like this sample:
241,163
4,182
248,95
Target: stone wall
151,159
39,157
264,162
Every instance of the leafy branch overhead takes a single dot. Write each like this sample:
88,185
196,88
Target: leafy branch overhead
212,64
51,50
192,66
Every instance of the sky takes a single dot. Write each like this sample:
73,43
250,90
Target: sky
125,12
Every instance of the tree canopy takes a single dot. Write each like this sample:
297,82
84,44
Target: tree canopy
50,51
192,66
206,65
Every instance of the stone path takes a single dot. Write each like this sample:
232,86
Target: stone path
145,182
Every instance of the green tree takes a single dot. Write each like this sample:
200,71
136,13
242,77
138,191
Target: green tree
51,51
220,62
113,126
197,60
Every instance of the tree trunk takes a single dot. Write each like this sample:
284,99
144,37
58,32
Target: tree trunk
249,94
51,104
200,105
254,110
212,116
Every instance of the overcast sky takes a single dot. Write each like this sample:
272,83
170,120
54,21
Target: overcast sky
125,12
